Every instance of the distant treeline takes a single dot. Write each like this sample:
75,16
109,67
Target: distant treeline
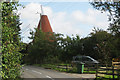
55,48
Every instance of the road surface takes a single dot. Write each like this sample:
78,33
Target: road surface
38,73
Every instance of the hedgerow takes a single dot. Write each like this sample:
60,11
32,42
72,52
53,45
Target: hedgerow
11,45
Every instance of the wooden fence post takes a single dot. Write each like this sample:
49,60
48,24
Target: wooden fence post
96,71
113,72
66,67
118,72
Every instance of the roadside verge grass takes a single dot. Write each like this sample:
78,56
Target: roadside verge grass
68,70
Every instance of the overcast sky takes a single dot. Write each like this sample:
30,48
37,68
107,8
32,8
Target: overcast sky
65,17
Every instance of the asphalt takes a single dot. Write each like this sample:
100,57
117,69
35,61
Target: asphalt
38,73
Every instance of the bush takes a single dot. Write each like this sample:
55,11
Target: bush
11,57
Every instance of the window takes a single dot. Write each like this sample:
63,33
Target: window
86,59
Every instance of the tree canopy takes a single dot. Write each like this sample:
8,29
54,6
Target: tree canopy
113,10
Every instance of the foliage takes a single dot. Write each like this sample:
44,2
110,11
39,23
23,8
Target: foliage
100,45
70,47
42,48
113,8
103,46
11,57
101,39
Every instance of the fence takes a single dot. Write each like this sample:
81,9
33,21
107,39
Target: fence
108,72
90,68
102,71
65,66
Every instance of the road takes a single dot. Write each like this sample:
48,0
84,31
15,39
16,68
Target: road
38,73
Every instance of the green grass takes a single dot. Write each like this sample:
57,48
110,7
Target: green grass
74,70
107,77
110,76
54,67
90,72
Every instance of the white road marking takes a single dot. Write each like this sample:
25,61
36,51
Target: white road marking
50,77
26,69
36,72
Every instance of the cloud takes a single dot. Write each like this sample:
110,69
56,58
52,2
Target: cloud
61,24
30,17
91,17
76,22
53,0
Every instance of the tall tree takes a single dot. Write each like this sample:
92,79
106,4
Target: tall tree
103,46
71,46
113,9
42,47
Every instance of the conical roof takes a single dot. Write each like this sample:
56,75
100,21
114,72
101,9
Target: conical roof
44,24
